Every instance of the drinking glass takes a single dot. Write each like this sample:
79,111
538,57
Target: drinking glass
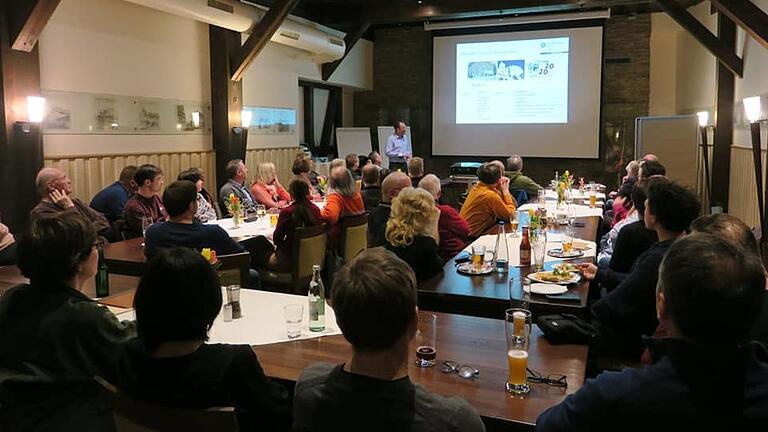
514,224
538,248
146,221
260,210
233,298
592,195
568,239
273,219
478,257
541,197
518,328
294,315
426,335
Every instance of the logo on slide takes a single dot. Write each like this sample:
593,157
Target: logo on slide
502,70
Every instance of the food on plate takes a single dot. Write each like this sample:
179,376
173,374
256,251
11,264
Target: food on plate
565,269
553,276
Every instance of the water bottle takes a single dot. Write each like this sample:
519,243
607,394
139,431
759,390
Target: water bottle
502,249
102,276
316,301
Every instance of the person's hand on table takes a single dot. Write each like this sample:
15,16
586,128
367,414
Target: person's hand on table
588,270
61,199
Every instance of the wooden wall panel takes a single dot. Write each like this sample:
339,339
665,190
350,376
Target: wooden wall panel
742,191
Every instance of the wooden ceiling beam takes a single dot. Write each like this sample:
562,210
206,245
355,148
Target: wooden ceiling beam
261,34
723,52
748,16
349,42
27,19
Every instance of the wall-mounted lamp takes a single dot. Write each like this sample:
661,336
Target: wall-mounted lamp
35,109
196,119
753,108
703,126
245,118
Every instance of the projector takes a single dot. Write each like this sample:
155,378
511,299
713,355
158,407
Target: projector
464,170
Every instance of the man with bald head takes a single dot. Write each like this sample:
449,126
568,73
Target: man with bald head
453,230
55,189
377,219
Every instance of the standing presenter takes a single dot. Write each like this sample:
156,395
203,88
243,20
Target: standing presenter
398,148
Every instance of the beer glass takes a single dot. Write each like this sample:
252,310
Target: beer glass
518,331
538,240
426,334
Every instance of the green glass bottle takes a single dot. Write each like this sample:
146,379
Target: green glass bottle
316,301
102,276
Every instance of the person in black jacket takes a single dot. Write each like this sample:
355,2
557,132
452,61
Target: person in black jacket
170,364
702,377
629,311
377,219
412,232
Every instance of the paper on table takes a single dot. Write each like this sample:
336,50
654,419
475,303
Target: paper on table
553,242
578,210
262,321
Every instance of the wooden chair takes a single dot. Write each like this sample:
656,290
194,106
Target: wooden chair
235,269
353,236
131,415
308,250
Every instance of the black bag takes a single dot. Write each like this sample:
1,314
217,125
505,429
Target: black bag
568,329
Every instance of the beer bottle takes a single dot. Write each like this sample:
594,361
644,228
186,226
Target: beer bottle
525,249
102,276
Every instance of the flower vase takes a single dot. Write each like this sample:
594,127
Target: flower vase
237,219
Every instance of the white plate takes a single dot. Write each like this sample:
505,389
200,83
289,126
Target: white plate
469,269
548,288
576,277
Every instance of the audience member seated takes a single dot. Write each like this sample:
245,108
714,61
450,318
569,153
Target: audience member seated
267,189
302,167
702,378
633,173
111,200
337,163
342,200
488,201
634,238
170,363
650,157
352,162
377,219
622,203
412,232
55,339
375,158
627,312
182,229
7,246
651,168
301,213
736,232
236,173
145,203
608,241
371,191
519,181
55,189
374,298
453,230
415,170
205,211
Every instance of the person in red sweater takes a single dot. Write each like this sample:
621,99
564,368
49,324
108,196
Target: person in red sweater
301,213
267,189
454,231
343,200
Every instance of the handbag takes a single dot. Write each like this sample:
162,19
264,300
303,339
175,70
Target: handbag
568,329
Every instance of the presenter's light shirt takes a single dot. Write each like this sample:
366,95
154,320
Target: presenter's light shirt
397,147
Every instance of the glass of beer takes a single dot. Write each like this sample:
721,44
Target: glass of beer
592,195
426,334
568,239
478,257
518,331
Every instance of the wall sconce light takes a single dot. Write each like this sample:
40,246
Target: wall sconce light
245,118
752,107
196,118
35,109
703,126
703,118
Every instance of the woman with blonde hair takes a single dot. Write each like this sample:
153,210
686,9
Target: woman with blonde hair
267,189
412,232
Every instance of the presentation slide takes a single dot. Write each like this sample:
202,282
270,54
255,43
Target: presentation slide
534,93
523,81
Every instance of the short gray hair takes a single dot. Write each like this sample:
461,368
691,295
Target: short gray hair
342,182
515,163
45,176
431,184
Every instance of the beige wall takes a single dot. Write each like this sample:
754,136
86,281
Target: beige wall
663,82
115,47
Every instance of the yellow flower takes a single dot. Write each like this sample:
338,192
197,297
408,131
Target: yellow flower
531,213
567,173
206,253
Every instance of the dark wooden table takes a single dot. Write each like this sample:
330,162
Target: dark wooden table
490,295
125,257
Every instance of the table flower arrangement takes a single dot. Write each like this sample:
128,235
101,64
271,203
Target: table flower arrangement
322,184
210,256
564,185
235,208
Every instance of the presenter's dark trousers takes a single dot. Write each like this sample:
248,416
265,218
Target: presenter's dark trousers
398,165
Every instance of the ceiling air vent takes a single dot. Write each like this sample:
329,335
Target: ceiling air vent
221,6
290,35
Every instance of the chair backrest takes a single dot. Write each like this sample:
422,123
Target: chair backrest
520,196
353,235
132,415
309,250
235,269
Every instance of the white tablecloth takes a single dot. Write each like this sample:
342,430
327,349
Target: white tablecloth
554,241
262,321
260,227
578,209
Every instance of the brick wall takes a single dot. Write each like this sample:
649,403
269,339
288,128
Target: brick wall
403,90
